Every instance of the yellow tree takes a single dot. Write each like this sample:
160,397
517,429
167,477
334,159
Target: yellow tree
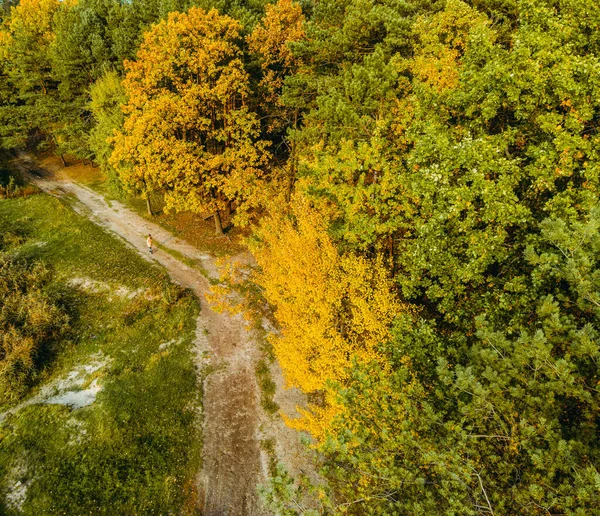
188,130
26,38
442,42
270,41
31,104
283,24
333,310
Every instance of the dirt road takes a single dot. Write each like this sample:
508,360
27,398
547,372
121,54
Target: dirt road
232,463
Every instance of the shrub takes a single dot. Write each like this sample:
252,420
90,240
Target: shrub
29,322
15,187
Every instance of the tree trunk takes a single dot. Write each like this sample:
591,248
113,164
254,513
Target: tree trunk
62,157
148,205
218,225
391,251
290,188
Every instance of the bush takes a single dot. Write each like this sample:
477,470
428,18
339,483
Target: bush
11,186
29,322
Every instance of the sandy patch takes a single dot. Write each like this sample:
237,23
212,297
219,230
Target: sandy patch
98,287
168,344
291,448
18,483
76,399
74,390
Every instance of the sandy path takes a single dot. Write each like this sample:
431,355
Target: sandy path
232,466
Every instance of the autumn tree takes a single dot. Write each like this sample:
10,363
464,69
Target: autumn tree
333,309
27,36
270,41
474,158
25,43
188,130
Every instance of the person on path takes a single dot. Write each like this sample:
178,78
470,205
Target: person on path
149,242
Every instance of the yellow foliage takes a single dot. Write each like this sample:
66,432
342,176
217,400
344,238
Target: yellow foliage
237,292
332,309
318,419
187,127
34,16
444,38
30,19
283,24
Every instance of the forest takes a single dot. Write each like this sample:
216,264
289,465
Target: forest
418,182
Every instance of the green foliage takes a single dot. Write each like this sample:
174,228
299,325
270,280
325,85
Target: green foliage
283,496
460,140
12,186
248,12
82,46
106,104
457,139
52,52
29,88
511,427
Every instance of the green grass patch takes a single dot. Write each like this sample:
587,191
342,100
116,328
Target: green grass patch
190,262
267,387
137,448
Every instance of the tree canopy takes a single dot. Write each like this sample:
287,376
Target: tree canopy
188,129
421,182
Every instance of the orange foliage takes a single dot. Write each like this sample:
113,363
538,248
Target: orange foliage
283,24
187,128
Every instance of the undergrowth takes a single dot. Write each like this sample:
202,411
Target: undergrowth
31,321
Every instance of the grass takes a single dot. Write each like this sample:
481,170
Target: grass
267,387
136,450
268,445
190,262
